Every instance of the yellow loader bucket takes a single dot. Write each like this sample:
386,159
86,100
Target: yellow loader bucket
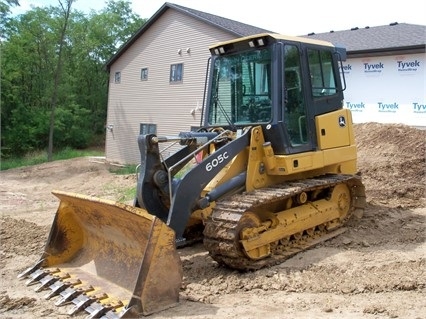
109,259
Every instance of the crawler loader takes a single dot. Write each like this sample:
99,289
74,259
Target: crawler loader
271,171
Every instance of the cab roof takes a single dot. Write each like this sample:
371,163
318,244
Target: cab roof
275,36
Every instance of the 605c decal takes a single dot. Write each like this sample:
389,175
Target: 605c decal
216,161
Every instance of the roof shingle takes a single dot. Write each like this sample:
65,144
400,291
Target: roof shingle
238,28
391,39
394,36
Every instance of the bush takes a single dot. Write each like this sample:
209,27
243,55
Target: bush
72,127
27,130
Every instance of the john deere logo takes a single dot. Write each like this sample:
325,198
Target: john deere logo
342,121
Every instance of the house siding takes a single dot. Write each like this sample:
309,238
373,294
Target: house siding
133,101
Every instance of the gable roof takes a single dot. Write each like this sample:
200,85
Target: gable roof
231,26
238,28
395,38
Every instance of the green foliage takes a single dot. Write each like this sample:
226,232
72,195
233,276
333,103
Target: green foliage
40,157
5,7
25,131
126,195
123,170
123,194
68,153
72,127
29,56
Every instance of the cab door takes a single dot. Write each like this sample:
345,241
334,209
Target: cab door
295,111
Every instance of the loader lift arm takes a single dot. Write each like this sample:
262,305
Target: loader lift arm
153,184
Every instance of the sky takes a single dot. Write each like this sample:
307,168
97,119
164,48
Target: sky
293,18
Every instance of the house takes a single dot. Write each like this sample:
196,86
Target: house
157,77
385,72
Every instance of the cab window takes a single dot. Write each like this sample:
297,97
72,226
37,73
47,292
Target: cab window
321,71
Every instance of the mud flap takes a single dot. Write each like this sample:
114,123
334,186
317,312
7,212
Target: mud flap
109,259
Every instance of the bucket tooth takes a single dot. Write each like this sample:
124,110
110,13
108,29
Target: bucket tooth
98,310
46,281
39,275
66,296
69,294
49,280
30,270
59,286
36,276
83,301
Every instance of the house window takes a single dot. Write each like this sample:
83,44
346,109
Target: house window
117,77
144,74
147,128
176,72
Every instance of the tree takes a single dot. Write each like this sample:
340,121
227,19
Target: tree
5,7
26,65
54,80
66,10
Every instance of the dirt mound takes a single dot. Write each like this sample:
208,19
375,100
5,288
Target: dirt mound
31,237
391,159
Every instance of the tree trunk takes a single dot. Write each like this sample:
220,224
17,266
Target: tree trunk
57,78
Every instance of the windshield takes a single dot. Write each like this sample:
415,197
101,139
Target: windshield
241,89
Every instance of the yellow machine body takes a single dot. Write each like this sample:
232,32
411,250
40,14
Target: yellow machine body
271,172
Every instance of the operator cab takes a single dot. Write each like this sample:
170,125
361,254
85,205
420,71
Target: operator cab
278,82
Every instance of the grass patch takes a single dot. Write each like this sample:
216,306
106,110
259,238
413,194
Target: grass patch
41,157
123,170
122,194
126,195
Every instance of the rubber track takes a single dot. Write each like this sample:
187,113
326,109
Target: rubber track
221,237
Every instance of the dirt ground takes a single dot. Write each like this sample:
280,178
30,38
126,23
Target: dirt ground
377,269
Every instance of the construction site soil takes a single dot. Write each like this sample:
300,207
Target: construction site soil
376,269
